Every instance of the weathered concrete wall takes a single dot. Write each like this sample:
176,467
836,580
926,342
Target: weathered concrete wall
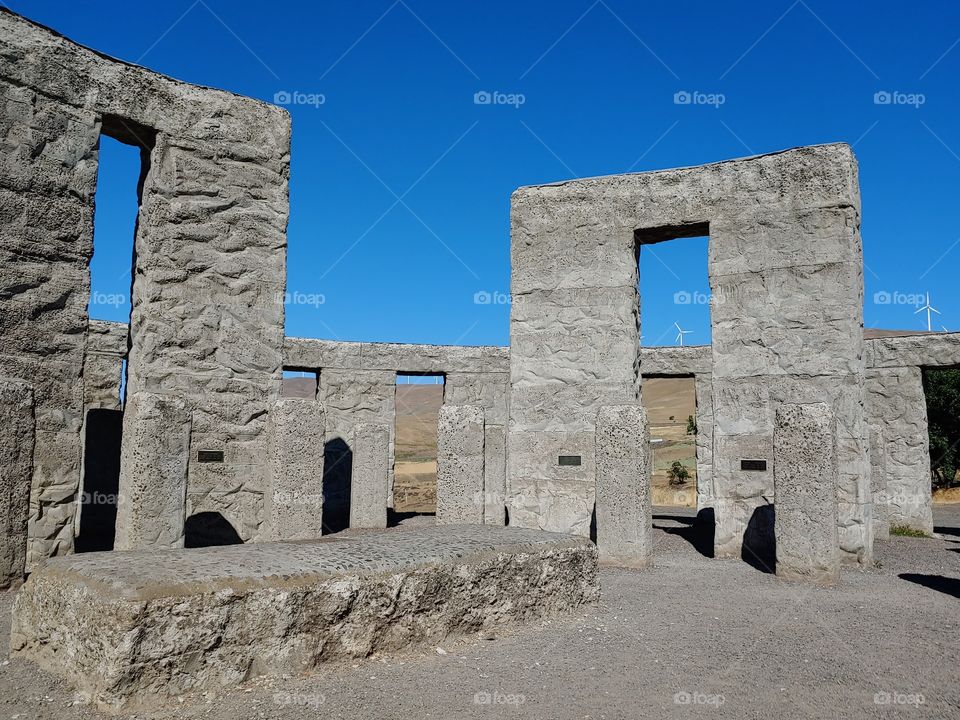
293,502
357,384
785,254
805,469
624,510
897,410
207,320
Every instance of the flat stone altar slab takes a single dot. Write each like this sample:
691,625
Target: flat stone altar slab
130,627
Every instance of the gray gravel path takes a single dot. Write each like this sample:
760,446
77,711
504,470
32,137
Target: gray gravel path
691,637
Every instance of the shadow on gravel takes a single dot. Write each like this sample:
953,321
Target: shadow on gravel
698,532
940,583
943,530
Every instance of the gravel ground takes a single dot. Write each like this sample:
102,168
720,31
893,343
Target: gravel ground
690,637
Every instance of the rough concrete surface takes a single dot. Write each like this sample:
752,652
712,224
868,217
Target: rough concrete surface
293,502
805,486
460,482
624,533
131,628
785,256
690,625
151,507
370,487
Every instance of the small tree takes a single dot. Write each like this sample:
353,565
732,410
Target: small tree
678,473
673,418
691,425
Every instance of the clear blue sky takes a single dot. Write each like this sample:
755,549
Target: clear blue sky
598,81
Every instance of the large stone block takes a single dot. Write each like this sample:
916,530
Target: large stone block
293,502
154,456
460,465
370,487
786,274
210,618
17,433
805,472
624,511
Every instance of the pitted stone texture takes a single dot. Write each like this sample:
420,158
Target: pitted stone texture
293,503
153,472
667,360
16,472
494,474
371,477
214,617
805,472
460,464
896,405
785,256
624,510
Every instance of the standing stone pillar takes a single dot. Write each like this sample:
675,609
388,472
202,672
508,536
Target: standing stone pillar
154,457
878,485
624,511
370,487
17,435
494,474
703,384
805,486
293,503
460,465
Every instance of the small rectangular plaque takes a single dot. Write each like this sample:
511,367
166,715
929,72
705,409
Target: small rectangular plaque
209,455
760,465
569,460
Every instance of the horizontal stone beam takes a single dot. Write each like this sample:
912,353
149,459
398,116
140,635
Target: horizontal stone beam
396,357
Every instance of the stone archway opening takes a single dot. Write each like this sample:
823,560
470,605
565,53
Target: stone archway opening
419,397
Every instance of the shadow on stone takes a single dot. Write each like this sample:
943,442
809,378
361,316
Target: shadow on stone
337,482
940,583
395,518
759,542
699,530
101,480
207,529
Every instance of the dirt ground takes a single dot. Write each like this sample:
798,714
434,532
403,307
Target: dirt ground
690,637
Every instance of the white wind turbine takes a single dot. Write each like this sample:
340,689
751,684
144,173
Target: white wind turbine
681,333
929,308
